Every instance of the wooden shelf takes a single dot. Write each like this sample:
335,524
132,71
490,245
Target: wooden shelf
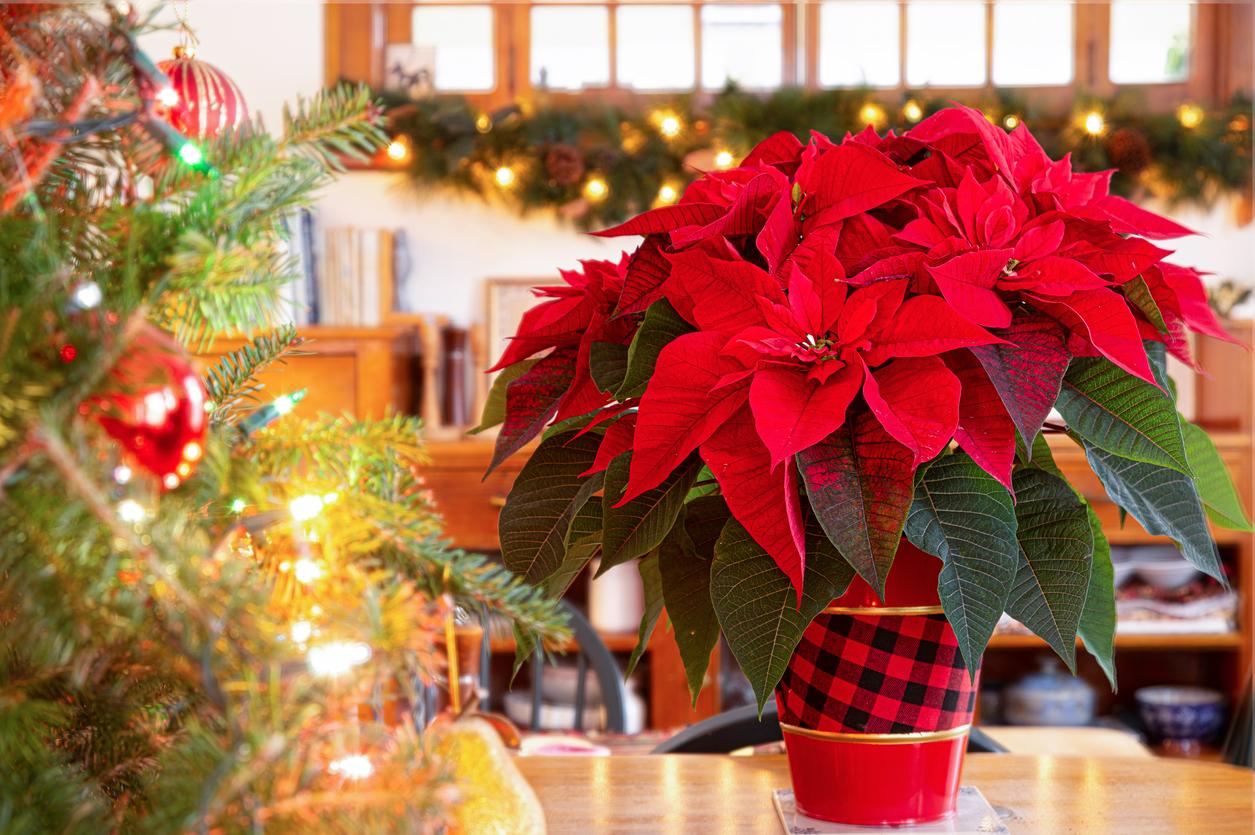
1207,641
615,642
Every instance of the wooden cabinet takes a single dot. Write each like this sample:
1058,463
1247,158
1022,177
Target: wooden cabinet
362,371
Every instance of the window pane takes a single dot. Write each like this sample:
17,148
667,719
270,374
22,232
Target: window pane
945,43
460,42
1033,42
570,47
1150,42
741,44
656,47
858,44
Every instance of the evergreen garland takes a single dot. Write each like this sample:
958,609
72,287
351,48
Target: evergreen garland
552,153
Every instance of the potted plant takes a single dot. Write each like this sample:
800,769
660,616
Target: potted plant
811,404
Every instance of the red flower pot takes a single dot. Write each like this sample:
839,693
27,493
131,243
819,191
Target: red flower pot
876,703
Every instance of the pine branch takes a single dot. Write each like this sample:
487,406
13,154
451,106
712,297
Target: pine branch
341,121
233,378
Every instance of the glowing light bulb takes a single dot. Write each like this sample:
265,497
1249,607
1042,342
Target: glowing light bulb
354,767
483,123
668,194
724,160
330,498
1190,115
871,114
596,189
912,111
284,404
192,451
304,508
1094,123
168,96
505,176
1011,121
337,658
306,571
87,295
238,505
398,150
131,511
171,481
190,154
122,474
669,126
301,631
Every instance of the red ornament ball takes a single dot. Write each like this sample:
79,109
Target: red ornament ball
156,408
208,101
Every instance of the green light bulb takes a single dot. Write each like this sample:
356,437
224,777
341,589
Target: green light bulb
190,154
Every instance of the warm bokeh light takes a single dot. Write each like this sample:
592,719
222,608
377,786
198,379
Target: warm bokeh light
724,160
1011,121
483,123
354,767
304,508
669,125
1094,123
912,111
871,114
337,658
505,176
596,189
668,194
398,150
1190,115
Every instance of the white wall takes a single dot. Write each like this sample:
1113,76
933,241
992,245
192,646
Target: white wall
274,51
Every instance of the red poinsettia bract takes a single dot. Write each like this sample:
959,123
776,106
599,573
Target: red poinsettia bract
875,299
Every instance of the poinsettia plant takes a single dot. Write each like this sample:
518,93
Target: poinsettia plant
835,345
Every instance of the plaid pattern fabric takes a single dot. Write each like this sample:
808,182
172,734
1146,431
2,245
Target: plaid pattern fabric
881,674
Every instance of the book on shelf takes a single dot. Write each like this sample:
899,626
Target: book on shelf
355,283
300,296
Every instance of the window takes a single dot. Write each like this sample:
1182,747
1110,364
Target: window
656,49
945,43
1150,41
742,44
1032,42
570,47
461,45
858,44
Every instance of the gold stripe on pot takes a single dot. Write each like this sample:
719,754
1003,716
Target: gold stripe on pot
884,610
879,739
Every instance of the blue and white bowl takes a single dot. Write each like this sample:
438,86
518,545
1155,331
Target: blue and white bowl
1181,713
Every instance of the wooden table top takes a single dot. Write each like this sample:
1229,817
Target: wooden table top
706,794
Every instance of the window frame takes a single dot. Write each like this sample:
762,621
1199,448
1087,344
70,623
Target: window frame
356,34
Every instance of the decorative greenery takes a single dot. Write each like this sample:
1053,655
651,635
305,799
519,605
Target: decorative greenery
597,164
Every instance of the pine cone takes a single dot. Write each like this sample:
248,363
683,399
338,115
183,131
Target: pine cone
1128,150
564,164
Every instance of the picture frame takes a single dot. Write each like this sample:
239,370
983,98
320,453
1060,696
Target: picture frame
505,302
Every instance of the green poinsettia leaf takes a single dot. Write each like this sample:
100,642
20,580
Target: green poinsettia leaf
583,543
651,579
1211,479
1098,619
1163,500
494,407
685,559
640,525
1114,411
963,515
1138,292
1056,548
607,362
860,484
757,605
660,326
544,500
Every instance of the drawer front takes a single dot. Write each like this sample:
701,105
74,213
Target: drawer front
470,503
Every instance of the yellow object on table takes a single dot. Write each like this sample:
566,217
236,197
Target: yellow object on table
494,797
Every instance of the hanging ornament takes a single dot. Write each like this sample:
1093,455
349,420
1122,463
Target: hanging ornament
156,407
564,164
202,100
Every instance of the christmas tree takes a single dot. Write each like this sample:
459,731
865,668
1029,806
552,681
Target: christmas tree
213,613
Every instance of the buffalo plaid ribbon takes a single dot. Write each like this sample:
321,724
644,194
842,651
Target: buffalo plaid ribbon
877,674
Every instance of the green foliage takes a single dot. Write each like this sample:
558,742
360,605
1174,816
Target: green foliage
963,515
232,380
1211,479
661,326
651,581
1097,628
625,148
639,526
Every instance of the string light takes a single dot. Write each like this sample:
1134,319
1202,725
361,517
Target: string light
912,111
1190,115
668,194
307,571
354,767
596,189
871,114
191,155
301,631
336,658
122,474
192,451
284,404
398,149
483,123
1094,123
238,505
131,511
170,481
1011,121
724,160
304,508
669,124
87,295
168,96
505,176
